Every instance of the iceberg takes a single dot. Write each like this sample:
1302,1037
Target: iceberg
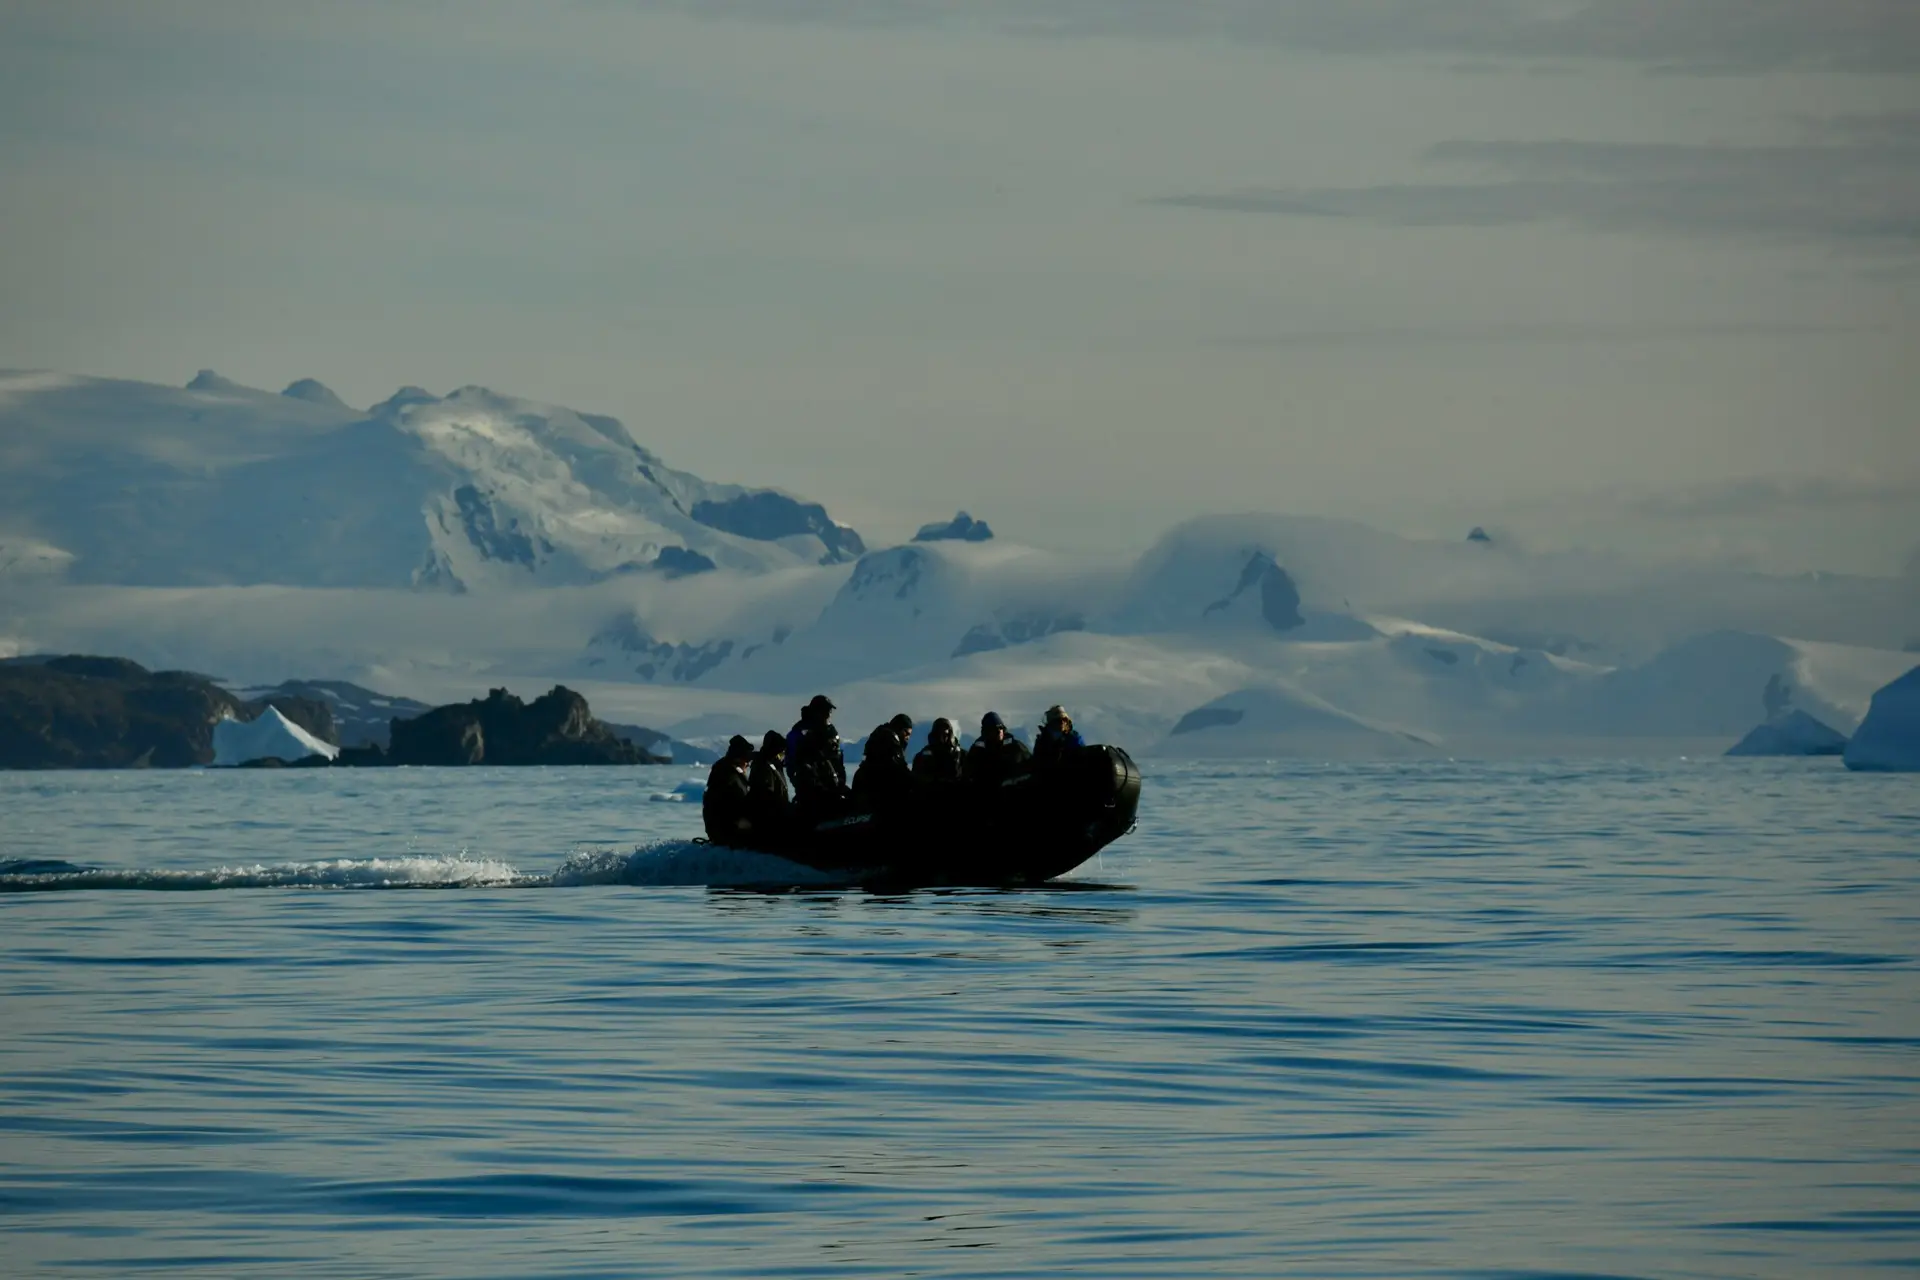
269,735
1888,740
1794,733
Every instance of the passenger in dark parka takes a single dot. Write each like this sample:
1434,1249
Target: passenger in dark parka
997,754
940,760
814,760
884,778
724,808
768,803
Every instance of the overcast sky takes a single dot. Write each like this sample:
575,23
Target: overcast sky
1630,271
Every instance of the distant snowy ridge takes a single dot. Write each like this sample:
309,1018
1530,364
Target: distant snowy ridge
128,482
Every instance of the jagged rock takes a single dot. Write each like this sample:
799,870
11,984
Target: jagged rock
680,562
555,728
1279,597
85,712
962,528
1477,534
1018,629
651,658
766,516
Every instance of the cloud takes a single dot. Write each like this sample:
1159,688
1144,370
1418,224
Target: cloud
1856,179
1698,36
1772,496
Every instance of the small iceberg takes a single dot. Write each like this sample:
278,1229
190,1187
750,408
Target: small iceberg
1793,734
1888,740
269,735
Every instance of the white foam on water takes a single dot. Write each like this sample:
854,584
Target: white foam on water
343,873
683,862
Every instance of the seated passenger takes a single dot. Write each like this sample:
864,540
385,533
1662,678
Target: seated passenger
939,760
814,760
768,805
724,807
997,754
883,776
1057,739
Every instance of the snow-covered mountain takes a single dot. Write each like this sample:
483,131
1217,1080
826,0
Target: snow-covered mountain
437,545
107,481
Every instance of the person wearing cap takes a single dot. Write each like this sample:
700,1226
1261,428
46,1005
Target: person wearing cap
814,759
768,803
996,755
884,776
1058,738
939,760
724,808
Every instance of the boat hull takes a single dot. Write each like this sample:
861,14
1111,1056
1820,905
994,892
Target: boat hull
1026,829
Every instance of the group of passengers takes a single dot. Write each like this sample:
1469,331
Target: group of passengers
748,798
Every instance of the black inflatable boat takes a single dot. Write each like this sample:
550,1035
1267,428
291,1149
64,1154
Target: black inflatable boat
1031,827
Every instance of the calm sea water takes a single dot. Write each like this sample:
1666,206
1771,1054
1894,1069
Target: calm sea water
1438,1019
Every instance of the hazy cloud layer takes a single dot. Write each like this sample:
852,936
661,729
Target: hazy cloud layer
1780,495
1856,179
1711,36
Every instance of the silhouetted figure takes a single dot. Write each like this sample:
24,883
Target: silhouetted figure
996,755
940,759
814,761
768,803
725,807
884,777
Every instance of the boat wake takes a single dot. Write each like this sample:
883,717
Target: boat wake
664,863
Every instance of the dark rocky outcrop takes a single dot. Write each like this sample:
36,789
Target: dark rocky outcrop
84,712
681,562
1279,596
962,528
556,728
766,516
1477,534
1019,629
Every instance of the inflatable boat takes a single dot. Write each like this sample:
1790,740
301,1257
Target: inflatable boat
1030,827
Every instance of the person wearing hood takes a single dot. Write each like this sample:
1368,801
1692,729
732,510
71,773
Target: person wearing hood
884,776
814,759
724,808
1058,738
996,755
940,759
768,803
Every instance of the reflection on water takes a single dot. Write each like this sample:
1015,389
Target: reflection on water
1436,1018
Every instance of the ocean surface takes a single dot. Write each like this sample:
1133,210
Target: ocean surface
1653,1019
